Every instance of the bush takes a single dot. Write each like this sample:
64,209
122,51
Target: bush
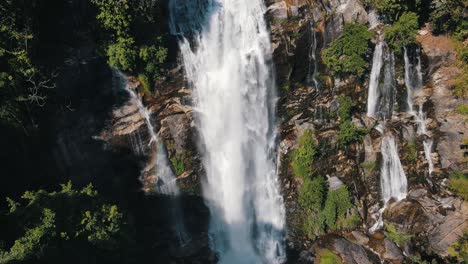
459,184
337,205
345,107
122,55
178,165
412,155
52,226
398,238
459,249
312,194
403,32
145,84
346,55
348,133
462,109
303,156
448,16
326,256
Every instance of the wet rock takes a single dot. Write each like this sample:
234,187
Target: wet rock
278,10
392,252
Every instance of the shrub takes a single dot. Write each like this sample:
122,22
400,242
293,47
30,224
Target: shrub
461,84
145,84
178,165
122,54
398,238
326,256
348,133
303,156
346,55
403,32
337,205
459,249
152,56
448,16
462,109
312,194
459,184
345,106
412,151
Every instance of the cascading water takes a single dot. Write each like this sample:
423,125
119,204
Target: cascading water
393,183
373,96
313,65
392,177
166,183
229,67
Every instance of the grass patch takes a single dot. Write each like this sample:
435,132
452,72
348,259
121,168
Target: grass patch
327,256
303,156
369,165
398,238
459,184
178,165
462,109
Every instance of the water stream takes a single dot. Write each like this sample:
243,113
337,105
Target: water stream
228,63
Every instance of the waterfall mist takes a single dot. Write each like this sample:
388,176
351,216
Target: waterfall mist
228,63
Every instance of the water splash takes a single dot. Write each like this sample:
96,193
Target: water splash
229,67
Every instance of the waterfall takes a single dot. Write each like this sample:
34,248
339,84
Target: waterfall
374,20
392,177
427,153
373,96
166,183
313,62
229,67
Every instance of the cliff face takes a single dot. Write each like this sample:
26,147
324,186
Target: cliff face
308,101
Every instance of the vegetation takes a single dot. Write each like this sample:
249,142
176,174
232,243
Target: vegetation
345,107
346,54
412,154
125,49
459,184
403,32
462,109
449,16
67,225
348,133
398,238
303,156
459,249
327,256
178,164
326,210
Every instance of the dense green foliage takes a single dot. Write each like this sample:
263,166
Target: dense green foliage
346,54
449,16
459,184
459,249
398,238
326,256
24,87
303,156
348,133
345,107
178,165
412,152
326,210
69,225
403,32
125,49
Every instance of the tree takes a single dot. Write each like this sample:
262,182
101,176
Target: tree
403,32
52,227
346,55
450,16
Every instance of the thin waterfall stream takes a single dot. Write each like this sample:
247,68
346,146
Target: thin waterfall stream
226,53
167,182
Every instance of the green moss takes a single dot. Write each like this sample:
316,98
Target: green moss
346,55
178,165
327,256
459,184
369,165
403,32
459,249
398,238
303,156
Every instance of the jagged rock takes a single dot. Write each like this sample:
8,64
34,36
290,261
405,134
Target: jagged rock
352,253
278,10
392,252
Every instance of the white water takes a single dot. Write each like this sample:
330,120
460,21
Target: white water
373,96
313,65
393,182
427,152
392,177
229,67
374,19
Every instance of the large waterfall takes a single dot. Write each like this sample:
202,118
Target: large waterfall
228,63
